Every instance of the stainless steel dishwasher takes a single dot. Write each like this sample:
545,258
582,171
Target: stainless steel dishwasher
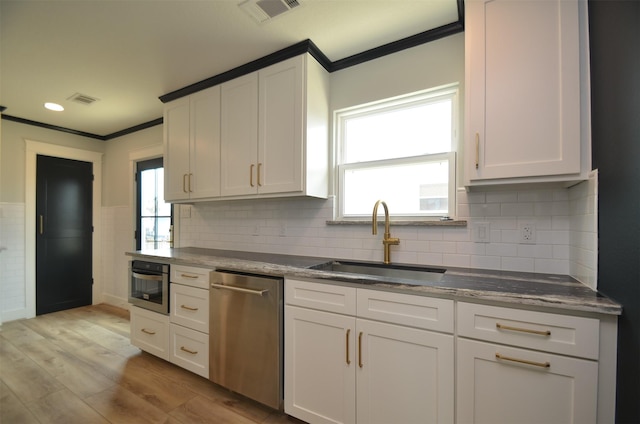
245,335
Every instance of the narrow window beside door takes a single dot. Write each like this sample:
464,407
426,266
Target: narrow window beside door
154,221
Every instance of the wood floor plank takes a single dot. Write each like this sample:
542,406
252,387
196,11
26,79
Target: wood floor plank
200,410
154,388
78,366
12,410
65,407
119,405
27,380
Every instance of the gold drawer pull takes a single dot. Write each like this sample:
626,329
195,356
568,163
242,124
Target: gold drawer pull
144,330
360,350
347,343
477,150
523,361
251,175
184,349
188,276
188,308
523,330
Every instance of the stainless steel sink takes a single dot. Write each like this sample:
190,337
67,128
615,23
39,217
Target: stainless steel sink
416,274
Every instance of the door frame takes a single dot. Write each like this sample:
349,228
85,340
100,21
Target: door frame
33,149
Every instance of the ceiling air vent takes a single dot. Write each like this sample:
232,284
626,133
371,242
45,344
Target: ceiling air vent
263,10
83,99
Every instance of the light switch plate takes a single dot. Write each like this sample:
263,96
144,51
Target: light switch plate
481,232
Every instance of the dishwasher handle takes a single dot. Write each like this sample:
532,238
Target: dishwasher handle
240,289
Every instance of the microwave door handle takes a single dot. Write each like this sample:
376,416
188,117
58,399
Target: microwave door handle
147,277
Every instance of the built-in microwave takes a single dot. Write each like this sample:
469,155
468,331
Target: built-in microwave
149,285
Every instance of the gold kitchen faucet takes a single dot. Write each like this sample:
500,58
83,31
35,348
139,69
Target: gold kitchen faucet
387,240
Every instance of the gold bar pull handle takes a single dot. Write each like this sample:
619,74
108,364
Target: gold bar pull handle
258,173
347,344
144,330
524,361
251,175
477,150
190,190
41,224
188,308
184,183
188,276
184,349
523,330
360,350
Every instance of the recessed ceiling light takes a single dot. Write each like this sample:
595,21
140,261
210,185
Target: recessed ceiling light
54,106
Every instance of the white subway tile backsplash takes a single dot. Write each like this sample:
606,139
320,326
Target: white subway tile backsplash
564,220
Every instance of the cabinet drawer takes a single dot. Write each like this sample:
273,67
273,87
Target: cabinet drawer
324,297
569,335
150,332
190,307
415,311
190,276
189,350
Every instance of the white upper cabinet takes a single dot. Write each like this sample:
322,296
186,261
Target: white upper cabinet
192,146
275,131
524,73
239,134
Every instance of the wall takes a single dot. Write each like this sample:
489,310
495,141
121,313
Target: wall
118,209
13,273
615,88
12,166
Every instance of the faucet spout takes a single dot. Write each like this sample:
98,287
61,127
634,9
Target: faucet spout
387,240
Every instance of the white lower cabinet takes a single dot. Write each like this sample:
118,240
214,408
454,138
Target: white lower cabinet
340,368
189,316
499,384
150,331
189,349
502,379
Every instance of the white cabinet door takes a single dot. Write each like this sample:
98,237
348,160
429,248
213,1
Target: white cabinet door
192,146
499,384
239,136
319,366
405,375
523,89
189,349
150,331
176,149
190,307
280,131
204,177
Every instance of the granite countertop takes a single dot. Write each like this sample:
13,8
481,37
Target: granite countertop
560,292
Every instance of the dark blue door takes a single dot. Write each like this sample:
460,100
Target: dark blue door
64,232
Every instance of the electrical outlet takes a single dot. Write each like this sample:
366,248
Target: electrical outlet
481,232
527,232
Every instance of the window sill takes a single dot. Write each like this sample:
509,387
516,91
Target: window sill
400,223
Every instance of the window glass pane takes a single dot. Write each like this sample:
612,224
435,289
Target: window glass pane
155,232
152,193
399,132
408,189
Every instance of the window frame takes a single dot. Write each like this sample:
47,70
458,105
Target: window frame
141,166
448,91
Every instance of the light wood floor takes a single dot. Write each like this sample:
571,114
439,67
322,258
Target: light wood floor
77,366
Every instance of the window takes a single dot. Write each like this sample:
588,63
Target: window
154,221
400,150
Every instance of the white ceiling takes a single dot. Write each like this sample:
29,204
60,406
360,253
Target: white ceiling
127,53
